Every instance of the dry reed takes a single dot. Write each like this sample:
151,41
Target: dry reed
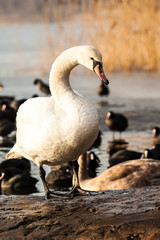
127,32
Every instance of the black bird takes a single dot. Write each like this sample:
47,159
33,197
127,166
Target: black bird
43,87
7,112
156,136
6,98
153,153
103,90
116,122
60,178
115,146
1,86
156,131
15,104
93,163
98,141
22,164
123,156
6,127
13,180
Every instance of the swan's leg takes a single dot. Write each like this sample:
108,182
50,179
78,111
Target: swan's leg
42,174
49,194
76,189
75,174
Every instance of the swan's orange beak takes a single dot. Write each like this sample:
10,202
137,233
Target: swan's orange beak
99,71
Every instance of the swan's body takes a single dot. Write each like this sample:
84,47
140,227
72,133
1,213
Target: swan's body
130,174
52,134
57,129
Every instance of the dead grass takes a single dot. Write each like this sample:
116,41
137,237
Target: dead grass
127,32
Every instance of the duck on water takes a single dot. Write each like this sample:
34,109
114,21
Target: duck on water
57,129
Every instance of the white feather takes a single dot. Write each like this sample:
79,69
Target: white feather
57,129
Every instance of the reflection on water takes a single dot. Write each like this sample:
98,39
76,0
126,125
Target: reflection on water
104,103
116,145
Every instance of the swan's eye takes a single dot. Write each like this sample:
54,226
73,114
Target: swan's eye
92,58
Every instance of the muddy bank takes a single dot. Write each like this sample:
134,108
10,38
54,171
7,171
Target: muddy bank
126,214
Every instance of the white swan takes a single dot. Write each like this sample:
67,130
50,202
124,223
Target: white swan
57,129
129,174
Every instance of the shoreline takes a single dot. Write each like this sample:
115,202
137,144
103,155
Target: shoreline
121,214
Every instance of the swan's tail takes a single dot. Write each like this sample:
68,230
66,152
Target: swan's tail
13,153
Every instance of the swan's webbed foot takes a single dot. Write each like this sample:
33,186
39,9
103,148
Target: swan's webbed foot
78,191
49,195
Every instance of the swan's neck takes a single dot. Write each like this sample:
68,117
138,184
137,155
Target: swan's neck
60,72
82,171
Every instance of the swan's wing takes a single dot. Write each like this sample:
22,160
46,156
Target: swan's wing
37,119
35,110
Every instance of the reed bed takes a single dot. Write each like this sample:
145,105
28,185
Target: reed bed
127,32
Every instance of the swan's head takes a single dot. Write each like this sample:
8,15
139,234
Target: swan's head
91,58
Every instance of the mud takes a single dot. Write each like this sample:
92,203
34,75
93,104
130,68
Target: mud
122,214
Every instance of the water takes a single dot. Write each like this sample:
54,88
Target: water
138,139
30,48
136,95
